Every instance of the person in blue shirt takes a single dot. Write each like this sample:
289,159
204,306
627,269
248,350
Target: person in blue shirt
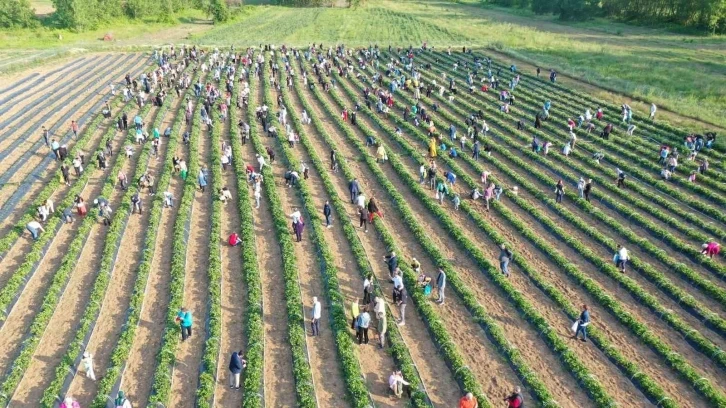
452,132
236,364
582,324
184,317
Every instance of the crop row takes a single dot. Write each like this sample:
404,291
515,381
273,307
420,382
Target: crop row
302,372
397,347
712,319
648,386
67,265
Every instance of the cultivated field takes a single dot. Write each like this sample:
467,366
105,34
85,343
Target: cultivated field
658,330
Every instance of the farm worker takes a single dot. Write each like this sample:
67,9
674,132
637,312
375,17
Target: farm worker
136,204
475,151
185,320
621,177
168,199
373,209
361,200
327,211
297,224
87,362
381,156
354,188
236,364
452,132
396,383
70,402
67,216
234,239
402,297
621,257
515,400
35,229
581,187
202,179
441,285
582,323
588,189
450,177
489,194
367,289
567,149
711,248
631,129
121,401
469,400
599,114
653,109
363,216
382,322
315,314
432,147
457,201
559,191
362,324
505,256
74,129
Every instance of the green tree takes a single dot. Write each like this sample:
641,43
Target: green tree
166,12
76,14
17,13
218,11
543,6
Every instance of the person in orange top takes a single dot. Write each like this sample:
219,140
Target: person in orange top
468,401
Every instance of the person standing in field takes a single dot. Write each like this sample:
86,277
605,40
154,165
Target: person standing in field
588,189
621,258
441,285
236,365
559,191
362,323
202,180
87,363
505,256
121,401
185,320
327,211
653,109
401,297
74,129
354,188
297,224
582,323
315,315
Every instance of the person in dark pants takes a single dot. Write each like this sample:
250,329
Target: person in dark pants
184,317
621,178
363,322
582,324
316,312
505,256
559,191
588,189
363,218
354,188
392,262
327,211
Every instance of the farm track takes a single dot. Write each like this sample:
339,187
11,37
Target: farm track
110,321
278,377
487,294
32,296
544,257
684,314
188,355
41,172
329,380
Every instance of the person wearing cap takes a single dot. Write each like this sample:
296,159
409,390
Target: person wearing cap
87,362
121,401
315,317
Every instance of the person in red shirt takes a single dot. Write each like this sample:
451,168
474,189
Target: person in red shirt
516,400
74,128
234,239
468,401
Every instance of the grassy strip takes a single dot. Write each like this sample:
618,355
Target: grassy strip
296,320
493,107
67,265
254,330
397,347
348,356
568,358
448,349
675,360
693,306
121,352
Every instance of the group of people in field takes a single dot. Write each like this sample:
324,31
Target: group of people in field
213,100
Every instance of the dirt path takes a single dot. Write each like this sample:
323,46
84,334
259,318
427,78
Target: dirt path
185,375
673,383
31,299
323,356
278,378
234,292
375,364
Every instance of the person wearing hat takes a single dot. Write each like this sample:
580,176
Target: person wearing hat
87,362
121,401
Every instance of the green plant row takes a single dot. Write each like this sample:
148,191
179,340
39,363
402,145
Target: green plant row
357,389
302,372
607,183
693,306
567,93
447,347
67,265
397,347
121,351
644,159
647,385
565,101
568,358
210,354
51,185
253,386
161,386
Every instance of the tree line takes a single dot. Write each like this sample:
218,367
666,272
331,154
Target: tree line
82,15
701,15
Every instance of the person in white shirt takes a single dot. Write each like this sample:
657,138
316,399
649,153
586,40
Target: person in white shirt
225,161
87,362
653,109
396,383
361,200
225,195
315,317
43,212
397,279
35,229
168,199
621,258
260,161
